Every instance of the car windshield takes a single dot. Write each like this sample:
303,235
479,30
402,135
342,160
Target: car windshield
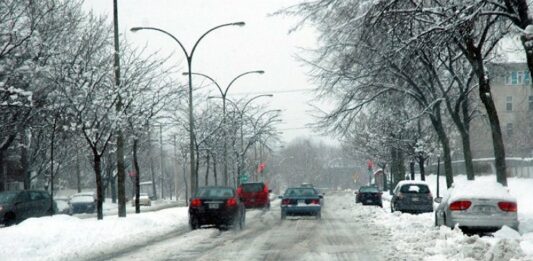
214,193
415,188
253,187
368,190
81,199
299,192
7,197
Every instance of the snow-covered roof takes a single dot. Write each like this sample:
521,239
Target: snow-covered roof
479,189
412,182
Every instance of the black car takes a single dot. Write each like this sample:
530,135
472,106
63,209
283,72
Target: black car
218,206
16,206
369,195
84,202
412,196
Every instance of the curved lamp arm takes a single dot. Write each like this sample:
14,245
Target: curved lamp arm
212,29
136,29
239,76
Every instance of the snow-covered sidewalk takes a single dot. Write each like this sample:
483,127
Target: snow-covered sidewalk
63,237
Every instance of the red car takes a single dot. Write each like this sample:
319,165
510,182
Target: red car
254,195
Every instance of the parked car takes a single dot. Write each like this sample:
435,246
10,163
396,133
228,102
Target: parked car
219,206
62,205
369,195
301,201
254,195
412,196
144,200
84,202
477,205
16,206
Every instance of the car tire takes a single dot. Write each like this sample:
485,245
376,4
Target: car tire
193,223
283,215
391,208
9,219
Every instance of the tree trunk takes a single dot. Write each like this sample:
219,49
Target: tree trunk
137,176
97,160
412,169
215,171
436,122
421,162
208,163
24,161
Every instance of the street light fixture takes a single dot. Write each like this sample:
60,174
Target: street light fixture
189,56
223,94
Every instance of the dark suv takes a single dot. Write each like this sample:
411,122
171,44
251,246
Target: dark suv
16,206
412,197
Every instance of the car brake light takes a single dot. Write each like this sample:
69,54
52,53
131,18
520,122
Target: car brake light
232,202
285,201
460,205
508,206
315,201
239,190
265,190
196,202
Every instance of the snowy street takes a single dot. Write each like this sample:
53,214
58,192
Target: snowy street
347,231
338,236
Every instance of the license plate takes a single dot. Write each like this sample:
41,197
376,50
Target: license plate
301,202
485,209
213,205
416,199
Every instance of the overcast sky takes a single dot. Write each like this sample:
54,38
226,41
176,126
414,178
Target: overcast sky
263,44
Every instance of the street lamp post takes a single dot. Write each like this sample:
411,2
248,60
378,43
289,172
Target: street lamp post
223,94
193,174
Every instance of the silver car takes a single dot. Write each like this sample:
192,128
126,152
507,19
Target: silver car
486,210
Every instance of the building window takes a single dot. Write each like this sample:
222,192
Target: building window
530,103
517,78
509,128
509,103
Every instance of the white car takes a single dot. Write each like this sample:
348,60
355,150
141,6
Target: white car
477,205
144,200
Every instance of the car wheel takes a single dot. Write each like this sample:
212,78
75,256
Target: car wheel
283,215
436,220
193,223
391,208
9,219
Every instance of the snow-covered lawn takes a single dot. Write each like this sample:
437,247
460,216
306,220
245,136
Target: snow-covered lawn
63,237
416,237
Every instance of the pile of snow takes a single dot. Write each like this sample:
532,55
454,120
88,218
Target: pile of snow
63,237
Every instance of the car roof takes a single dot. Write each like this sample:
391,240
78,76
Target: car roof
412,182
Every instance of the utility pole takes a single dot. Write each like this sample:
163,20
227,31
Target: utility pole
121,175
161,159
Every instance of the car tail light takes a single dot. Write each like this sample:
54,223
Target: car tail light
196,202
239,191
285,201
231,202
508,206
400,195
460,205
265,189
315,201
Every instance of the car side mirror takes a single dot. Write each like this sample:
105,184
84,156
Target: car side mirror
269,191
280,197
355,192
320,196
438,200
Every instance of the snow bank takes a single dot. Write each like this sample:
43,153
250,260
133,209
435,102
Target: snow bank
63,237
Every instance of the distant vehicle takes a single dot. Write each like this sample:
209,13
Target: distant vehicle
144,200
301,201
62,205
412,196
84,202
16,206
369,195
219,206
254,195
477,205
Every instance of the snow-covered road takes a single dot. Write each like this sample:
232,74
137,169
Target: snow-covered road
336,237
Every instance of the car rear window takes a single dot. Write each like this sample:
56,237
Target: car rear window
214,192
295,192
253,187
369,190
415,188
